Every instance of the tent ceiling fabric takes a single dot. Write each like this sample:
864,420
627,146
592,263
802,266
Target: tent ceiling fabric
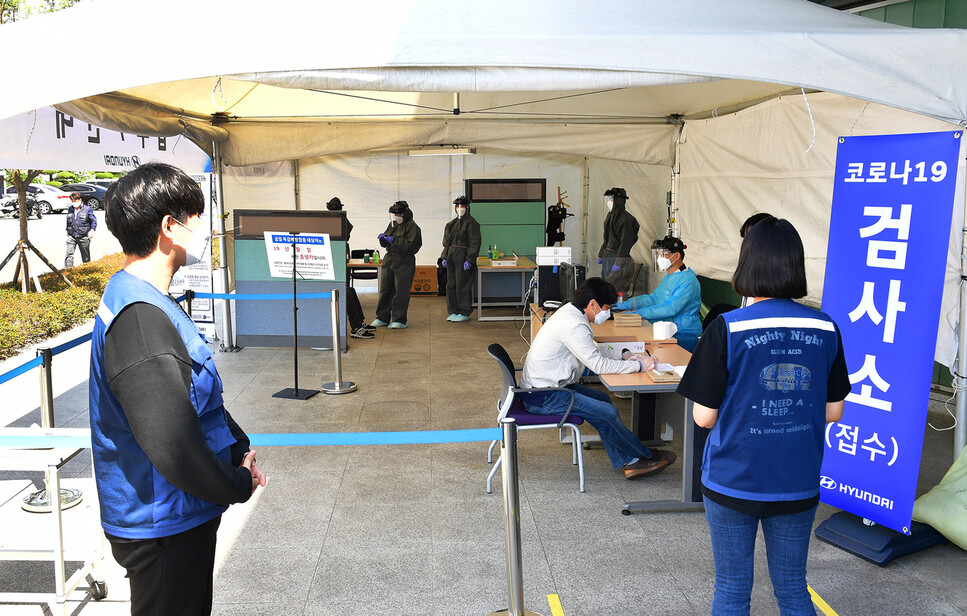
621,62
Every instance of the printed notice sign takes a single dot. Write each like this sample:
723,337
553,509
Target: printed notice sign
890,225
313,255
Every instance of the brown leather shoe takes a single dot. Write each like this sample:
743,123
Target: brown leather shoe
661,458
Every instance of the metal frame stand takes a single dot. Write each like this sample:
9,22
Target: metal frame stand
508,472
338,386
294,393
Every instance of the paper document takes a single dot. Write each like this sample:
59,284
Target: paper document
679,370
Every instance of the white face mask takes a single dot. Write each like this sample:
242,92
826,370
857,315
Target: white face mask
602,316
398,219
663,263
461,212
609,201
197,246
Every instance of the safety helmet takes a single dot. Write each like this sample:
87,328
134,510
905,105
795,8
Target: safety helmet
399,207
334,204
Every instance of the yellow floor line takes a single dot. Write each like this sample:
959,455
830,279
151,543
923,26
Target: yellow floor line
555,602
822,605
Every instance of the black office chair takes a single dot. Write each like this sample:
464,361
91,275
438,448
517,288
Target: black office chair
362,273
509,405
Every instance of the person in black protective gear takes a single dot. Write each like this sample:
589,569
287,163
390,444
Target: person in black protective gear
358,328
402,240
461,245
620,234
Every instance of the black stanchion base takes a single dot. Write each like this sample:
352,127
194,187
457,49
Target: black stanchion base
292,393
877,544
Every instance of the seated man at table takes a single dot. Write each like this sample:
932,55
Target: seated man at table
561,351
678,296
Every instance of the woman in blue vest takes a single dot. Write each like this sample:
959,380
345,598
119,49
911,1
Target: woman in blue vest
168,458
766,379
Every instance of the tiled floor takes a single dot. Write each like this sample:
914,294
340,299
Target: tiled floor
410,530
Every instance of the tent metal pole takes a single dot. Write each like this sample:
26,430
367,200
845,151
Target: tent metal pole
960,431
228,334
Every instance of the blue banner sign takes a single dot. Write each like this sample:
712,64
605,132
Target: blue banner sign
889,229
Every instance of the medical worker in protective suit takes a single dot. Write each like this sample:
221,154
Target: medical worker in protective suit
678,296
620,234
461,245
402,240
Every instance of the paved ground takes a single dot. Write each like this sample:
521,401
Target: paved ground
49,236
396,530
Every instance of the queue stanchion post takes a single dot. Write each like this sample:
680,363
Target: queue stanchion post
509,477
38,502
294,393
46,388
189,298
338,386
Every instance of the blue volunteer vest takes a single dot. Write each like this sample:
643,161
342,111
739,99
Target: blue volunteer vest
767,444
136,501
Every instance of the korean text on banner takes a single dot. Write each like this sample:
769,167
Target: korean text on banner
313,255
890,223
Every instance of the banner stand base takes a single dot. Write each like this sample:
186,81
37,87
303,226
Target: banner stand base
877,544
292,393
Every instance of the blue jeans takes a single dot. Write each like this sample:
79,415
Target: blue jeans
595,407
733,546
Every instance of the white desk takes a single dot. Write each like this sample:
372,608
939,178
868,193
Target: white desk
693,437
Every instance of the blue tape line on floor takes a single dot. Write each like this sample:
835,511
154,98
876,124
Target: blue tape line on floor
316,439
245,296
30,365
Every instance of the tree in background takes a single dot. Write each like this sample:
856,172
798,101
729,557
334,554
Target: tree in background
16,10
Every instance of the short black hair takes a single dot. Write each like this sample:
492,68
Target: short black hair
751,221
135,205
598,289
772,262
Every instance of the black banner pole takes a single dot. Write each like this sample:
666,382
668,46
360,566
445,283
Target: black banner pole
294,392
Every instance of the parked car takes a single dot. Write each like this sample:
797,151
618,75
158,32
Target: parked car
49,199
10,207
91,194
102,183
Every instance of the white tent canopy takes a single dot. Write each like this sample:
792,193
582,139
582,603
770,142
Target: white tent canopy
548,75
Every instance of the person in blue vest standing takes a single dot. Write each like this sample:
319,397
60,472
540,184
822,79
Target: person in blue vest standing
678,297
168,458
81,224
766,379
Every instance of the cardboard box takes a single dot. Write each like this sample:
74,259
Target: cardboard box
424,280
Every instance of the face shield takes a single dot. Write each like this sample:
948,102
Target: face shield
609,202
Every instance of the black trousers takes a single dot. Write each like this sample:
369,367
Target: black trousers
460,282
354,310
170,575
395,281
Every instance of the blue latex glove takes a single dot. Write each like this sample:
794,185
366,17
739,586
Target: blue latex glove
388,238
615,268
381,236
444,263
599,260
466,265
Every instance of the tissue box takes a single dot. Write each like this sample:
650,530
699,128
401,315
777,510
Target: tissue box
612,350
664,330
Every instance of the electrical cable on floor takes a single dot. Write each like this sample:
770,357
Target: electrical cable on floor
959,388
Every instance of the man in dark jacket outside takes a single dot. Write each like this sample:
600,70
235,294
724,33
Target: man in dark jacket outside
620,234
80,229
402,240
461,245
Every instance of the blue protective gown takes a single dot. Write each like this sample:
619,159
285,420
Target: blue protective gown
677,299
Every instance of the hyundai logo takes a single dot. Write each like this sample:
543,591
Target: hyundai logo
827,482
